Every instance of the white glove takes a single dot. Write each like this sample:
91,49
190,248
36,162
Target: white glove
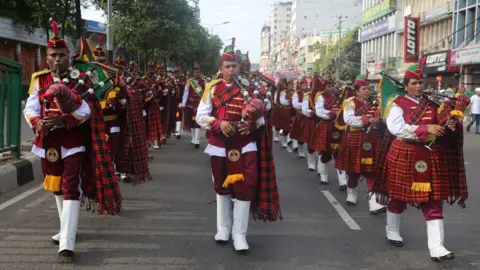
161,108
180,105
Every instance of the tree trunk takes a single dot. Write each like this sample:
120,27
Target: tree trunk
66,12
146,59
78,19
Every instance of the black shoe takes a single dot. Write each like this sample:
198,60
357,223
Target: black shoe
343,188
221,242
197,146
56,242
323,183
312,170
449,256
65,256
468,128
351,203
395,243
379,211
127,179
295,150
178,137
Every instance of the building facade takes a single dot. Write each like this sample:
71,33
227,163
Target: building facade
382,37
280,16
264,48
466,41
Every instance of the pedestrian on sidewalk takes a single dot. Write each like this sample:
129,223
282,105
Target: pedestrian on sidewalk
475,109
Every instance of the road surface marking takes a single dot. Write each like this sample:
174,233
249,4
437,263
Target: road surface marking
20,197
341,211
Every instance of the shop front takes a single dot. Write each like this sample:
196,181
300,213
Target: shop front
438,68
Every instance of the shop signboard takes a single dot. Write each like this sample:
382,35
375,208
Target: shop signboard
385,7
466,56
378,29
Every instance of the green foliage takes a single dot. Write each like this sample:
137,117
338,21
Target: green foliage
350,57
39,13
165,29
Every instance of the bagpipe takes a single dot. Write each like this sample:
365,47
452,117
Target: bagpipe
66,100
253,108
449,107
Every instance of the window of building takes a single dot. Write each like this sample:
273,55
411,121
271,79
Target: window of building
310,48
275,27
275,21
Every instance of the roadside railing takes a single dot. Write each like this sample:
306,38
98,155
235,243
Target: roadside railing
11,102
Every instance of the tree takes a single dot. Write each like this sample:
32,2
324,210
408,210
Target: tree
350,56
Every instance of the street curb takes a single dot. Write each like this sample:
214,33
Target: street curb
17,173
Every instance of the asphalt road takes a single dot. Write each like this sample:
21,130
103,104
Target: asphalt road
169,224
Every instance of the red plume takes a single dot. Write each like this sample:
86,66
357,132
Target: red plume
55,28
100,41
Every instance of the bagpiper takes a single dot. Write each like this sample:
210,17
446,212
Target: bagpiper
300,128
191,99
362,142
242,167
423,161
326,102
68,122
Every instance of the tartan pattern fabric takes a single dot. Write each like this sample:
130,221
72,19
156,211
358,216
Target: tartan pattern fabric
132,158
221,98
286,115
350,152
320,135
266,206
308,129
399,171
452,142
297,128
103,193
448,179
154,122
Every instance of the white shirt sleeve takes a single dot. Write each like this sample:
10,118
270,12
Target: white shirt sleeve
397,126
32,106
305,108
283,99
350,118
185,94
320,109
268,105
204,112
83,113
295,102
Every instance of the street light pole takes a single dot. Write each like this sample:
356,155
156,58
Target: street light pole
109,31
212,26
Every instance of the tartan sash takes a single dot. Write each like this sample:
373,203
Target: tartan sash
363,109
196,87
224,97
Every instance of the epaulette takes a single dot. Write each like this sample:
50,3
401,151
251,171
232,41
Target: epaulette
208,88
390,102
35,76
346,102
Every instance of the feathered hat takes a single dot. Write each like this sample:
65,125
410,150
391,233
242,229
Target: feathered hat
120,61
56,42
99,50
229,53
413,72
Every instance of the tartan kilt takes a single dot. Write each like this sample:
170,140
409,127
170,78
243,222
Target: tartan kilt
308,129
350,152
399,174
275,116
286,116
297,129
320,135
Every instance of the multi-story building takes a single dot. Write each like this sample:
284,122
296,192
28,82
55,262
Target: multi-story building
264,48
382,37
435,39
280,16
305,52
377,36
466,41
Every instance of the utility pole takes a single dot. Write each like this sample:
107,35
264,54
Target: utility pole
337,62
110,32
